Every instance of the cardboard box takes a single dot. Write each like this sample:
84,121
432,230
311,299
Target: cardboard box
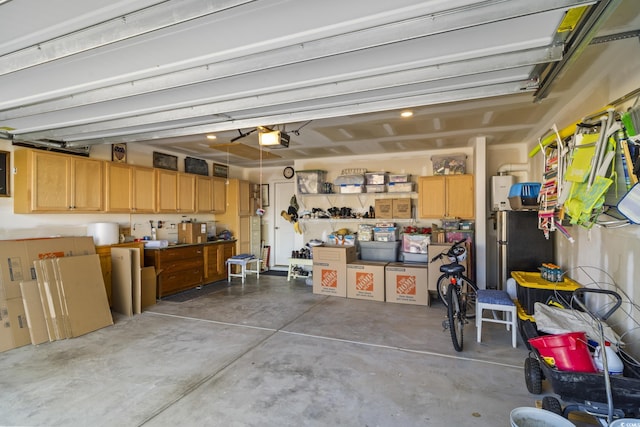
330,269
365,280
192,232
15,267
406,284
14,330
17,256
384,208
401,208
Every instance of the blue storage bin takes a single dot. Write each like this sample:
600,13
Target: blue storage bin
524,195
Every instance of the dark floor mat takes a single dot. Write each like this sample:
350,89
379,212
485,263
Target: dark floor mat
274,273
197,292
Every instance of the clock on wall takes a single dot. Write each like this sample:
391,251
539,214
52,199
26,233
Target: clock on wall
288,172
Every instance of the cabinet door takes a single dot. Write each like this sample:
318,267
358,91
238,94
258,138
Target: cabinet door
460,196
144,190
51,181
226,251
244,235
219,195
210,262
432,196
244,198
186,193
119,187
87,178
204,194
167,189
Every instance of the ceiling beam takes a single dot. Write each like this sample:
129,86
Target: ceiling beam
428,19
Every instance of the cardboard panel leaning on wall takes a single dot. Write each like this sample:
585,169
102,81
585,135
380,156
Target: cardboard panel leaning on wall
14,330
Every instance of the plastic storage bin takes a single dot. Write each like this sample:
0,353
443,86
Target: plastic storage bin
415,243
450,224
379,251
351,188
411,257
532,288
385,234
376,177
400,187
451,164
311,181
524,195
375,188
399,178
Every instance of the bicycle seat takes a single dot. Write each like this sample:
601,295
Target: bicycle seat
452,269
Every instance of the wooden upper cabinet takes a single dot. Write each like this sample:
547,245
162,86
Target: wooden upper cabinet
129,188
119,187
186,193
432,190
53,182
204,194
144,190
167,190
219,195
446,196
176,192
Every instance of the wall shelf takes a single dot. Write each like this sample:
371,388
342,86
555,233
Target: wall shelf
332,198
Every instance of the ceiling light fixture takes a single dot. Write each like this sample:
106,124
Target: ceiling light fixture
212,137
274,139
407,113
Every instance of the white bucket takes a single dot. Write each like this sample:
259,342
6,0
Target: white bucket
104,233
534,417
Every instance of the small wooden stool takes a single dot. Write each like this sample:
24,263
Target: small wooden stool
496,300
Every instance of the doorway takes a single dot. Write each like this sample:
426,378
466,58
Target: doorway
284,234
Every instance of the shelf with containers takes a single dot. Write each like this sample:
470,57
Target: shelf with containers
366,188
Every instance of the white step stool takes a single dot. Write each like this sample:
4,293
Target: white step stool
244,267
496,300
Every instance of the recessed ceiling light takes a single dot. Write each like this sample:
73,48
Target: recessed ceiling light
407,113
212,137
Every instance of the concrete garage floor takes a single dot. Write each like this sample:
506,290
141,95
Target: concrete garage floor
269,353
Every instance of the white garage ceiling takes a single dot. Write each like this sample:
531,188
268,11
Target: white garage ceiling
333,74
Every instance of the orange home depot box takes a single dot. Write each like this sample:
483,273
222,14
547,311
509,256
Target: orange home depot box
330,269
406,283
365,280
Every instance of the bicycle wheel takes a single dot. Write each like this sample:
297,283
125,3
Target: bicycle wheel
468,291
456,318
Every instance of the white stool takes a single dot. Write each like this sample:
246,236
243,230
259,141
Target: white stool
495,300
244,267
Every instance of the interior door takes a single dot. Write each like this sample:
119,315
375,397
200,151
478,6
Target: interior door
284,235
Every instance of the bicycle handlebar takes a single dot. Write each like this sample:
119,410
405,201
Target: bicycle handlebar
449,251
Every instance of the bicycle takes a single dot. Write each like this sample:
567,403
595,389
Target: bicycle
457,292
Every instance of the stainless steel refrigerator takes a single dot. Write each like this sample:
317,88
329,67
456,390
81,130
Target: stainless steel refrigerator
521,245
